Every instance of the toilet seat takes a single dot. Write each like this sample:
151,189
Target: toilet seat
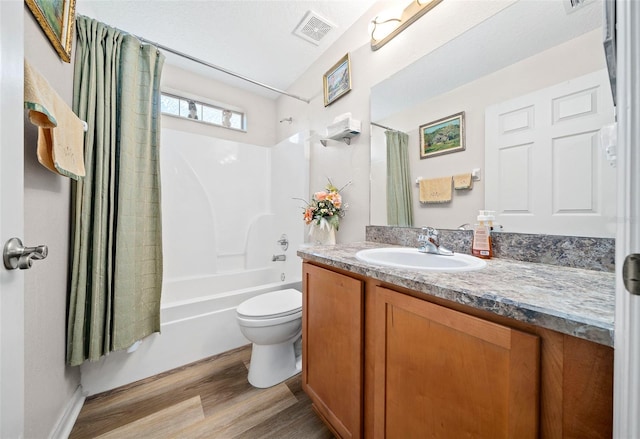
272,305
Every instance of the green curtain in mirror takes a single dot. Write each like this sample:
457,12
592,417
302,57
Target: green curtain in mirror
399,198
116,255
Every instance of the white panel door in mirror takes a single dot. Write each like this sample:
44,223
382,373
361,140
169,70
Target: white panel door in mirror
545,145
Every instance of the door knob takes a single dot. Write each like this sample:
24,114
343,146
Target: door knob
631,273
16,255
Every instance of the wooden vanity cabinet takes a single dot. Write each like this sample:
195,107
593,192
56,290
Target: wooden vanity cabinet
441,373
332,348
379,361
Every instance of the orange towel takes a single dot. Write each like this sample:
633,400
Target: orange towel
435,190
60,131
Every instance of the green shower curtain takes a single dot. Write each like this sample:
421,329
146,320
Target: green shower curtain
399,199
116,254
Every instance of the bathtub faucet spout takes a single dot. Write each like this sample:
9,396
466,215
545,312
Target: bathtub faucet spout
279,258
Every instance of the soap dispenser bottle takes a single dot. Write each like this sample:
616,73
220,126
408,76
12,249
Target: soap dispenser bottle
482,247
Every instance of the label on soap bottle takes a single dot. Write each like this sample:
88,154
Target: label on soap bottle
481,243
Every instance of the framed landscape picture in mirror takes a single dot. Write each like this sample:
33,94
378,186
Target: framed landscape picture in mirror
57,19
337,80
442,136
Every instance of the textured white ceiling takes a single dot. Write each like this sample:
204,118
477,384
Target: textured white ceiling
252,38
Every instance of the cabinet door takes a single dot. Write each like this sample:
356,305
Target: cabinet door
440,373
332,348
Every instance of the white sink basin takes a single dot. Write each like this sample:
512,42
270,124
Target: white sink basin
411,258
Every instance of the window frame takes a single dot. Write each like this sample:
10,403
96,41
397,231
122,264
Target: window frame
215,106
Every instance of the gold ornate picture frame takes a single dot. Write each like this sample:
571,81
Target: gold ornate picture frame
337,80
57,19
442,136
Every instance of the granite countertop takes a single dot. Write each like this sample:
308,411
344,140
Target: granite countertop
571,301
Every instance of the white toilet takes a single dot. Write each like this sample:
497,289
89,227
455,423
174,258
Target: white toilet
273,323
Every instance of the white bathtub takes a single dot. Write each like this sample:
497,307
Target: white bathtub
217,294
198,320
178,293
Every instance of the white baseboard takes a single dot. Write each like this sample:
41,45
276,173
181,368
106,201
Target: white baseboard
68,418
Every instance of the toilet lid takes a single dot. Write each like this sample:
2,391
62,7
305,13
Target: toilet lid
277,303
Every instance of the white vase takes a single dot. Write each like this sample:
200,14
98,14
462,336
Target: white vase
323,234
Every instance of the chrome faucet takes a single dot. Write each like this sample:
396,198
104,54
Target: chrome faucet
429,241
284,242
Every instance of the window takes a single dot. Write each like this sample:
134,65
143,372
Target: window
191,109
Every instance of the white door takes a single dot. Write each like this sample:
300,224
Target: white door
546,146
627,320
11,218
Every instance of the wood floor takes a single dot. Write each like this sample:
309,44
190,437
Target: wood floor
208,399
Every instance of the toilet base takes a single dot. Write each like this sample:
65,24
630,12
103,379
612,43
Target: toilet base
272,364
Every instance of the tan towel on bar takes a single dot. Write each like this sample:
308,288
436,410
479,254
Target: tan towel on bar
463,181
60,131
435,190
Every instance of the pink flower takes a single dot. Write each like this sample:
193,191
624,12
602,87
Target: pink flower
308,215
335,199
320,195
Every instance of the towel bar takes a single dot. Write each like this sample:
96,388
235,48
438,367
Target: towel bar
475,175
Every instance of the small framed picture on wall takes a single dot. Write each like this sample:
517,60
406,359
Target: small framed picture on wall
57,20
442,136
337,80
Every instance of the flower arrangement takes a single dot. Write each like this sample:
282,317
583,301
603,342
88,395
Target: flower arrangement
326,207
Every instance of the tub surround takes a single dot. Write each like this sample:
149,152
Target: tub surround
567,251
572,301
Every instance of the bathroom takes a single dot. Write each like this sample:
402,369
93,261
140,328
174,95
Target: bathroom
50,387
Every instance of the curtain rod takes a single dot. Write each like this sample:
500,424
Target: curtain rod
382,126
221,69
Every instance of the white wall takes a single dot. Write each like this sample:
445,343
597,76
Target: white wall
574,58
49,383
338,161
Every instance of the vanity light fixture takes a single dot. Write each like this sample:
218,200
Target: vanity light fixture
381,28
384,28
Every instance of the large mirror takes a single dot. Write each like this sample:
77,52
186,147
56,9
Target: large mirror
526,47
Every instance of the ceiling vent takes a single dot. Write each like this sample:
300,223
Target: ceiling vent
313,28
